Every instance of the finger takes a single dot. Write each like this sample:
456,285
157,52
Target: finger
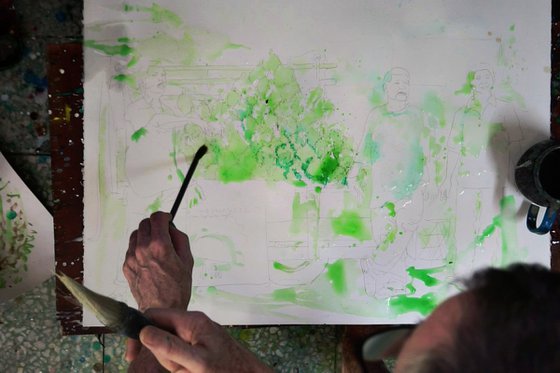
171,352
132,242
159,222
182,246
132,349
144,234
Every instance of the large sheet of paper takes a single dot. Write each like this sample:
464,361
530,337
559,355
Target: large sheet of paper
360,153
26,236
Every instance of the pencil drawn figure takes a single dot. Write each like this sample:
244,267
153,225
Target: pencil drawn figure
392,157
485,131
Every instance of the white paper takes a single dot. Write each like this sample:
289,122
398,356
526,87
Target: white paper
360,153
27,236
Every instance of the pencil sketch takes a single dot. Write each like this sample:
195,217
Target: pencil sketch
331,192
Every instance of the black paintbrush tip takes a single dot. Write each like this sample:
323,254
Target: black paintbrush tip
200,152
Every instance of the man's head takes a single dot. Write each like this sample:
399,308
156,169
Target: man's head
506,321
396,84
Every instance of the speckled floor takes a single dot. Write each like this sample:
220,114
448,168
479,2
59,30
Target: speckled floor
30,335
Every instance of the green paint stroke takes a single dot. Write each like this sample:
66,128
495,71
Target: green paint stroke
505,221
412,175
402,304
424,275
390,236
371,149
287,269
467,88
158,14
337,276
155,205
138,134
285,295
110,50
126,79
391,207
349,223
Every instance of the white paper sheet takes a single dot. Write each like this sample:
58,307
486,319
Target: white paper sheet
360,152
27,236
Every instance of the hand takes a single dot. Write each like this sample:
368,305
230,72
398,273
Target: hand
197,344
158,264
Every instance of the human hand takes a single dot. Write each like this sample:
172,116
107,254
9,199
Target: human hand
191,342
158,264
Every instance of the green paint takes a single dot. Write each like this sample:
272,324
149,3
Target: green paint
349,223
11,215
96,346
412,175
467,88
433,105
138,134
284,295
390,206
110,50
155,205
512,27
126,79
402,304
275,132
505,222
301,211
424,275
337,276
318,189
158,14
287,269
371,149
390,236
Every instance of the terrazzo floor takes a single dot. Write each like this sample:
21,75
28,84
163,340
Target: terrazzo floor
30,335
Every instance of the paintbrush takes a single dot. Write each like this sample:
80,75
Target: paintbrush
115,315
198,155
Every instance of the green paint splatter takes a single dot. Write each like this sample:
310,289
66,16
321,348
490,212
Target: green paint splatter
433,105
318,189
390,236
467,88
337,276
512,27
391,207
11,215
138,134
412,175
349,223
126,79
402,304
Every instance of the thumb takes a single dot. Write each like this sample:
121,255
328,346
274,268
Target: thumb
171,352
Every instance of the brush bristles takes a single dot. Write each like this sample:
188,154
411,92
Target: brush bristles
107,310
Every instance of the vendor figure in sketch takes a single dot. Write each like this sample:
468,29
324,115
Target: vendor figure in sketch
484,134
391,168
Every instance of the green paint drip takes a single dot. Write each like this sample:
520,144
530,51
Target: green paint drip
11,215
467,88
402,304
337,276
391,207
126,79
349,223
138,134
